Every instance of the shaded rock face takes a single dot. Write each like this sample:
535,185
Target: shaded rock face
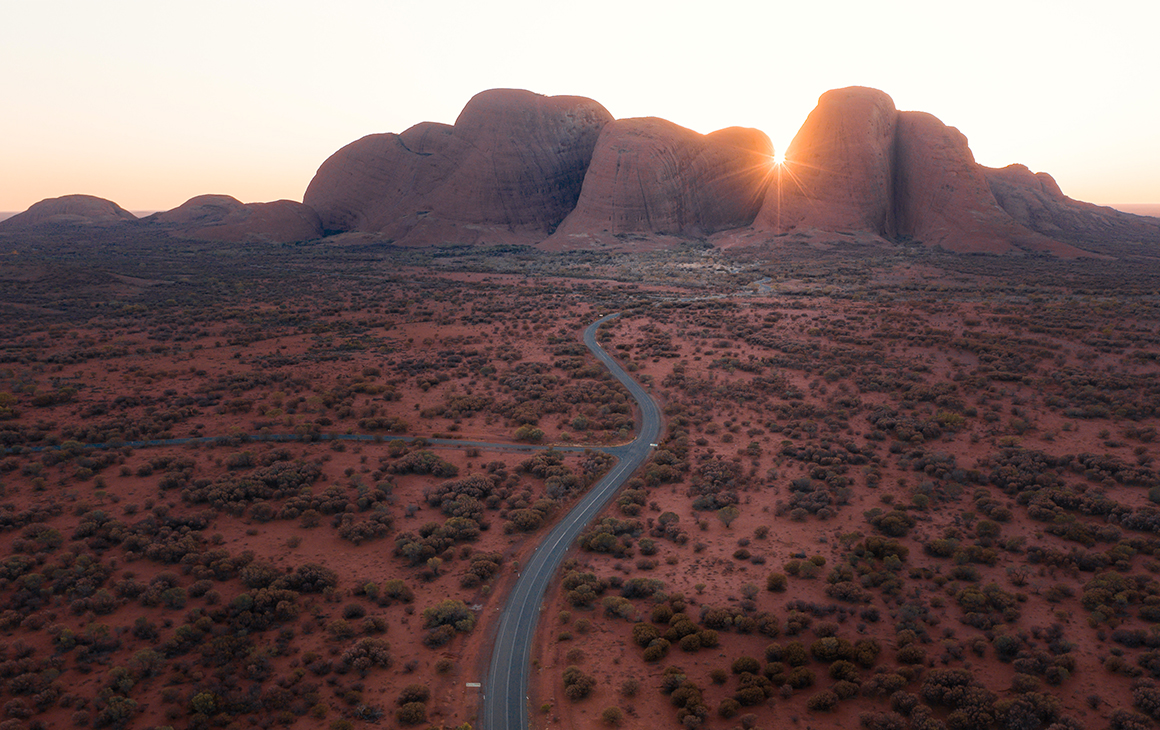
839,169
1035,201
650,175
943,196
944,199
226,219
858,164
85,210
513,161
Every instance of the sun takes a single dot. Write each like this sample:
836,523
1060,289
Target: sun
779,158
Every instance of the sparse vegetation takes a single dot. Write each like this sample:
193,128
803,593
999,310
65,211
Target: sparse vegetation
957,468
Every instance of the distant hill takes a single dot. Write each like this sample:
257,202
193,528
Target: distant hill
205,217
1151,209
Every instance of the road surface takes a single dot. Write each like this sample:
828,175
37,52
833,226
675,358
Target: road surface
505,691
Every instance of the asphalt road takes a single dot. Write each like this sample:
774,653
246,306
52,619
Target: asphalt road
505,692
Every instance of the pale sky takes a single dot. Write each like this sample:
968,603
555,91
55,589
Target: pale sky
150,103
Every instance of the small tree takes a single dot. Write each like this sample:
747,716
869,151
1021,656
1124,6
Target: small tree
727,514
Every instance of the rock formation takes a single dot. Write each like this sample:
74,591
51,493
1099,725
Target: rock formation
206,217
838,171
649,175
943,196
517,167
857,164
512,163
1035,201
226,219
84,210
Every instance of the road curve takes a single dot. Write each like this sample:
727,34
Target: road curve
504,704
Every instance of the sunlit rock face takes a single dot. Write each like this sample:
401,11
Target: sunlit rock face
1035,200
839,169
512,163
85,210
224,218
649,175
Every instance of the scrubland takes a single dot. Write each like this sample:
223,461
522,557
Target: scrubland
896,489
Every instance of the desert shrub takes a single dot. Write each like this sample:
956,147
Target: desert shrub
823,701
728,708
849,592
396,589
800,678
882,721
656,650
894,523
795,654
641,588
911,654
449,612
987,606
618,607
612,716
365,654
577,684
745,664
776,582
309,578
117,712
413,693
843,670
831,648
644,633
690,642
1146,698
412,713
971,704
423,462
1127,720
353,611
359,531
529,434
765,623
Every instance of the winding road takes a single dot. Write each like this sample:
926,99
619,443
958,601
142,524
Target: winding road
505,692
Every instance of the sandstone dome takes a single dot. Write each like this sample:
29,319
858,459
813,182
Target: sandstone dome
512,163
652,176
85,210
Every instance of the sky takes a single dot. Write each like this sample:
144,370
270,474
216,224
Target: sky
150,103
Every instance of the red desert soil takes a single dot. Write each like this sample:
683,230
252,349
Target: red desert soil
922,355
896,488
